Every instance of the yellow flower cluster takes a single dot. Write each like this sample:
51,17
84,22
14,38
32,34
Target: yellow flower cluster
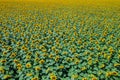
71,38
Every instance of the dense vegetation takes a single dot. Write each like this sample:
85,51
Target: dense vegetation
60,40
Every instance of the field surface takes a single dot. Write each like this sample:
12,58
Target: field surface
59,39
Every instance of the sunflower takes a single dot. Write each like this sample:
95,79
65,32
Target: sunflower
10,48
29,74
117,64
75,76
51,56
53,77
12,55
114,73
102,66
61,67
3,61
16,61
65,53
7,76
108,74
94,78
42,61
37,68
2,69
28,65
28,57
5,53
83,68
35,78
84,78
19,66
57,58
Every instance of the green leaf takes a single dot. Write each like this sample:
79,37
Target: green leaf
21,77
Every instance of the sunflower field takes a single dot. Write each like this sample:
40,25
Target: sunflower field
59,39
